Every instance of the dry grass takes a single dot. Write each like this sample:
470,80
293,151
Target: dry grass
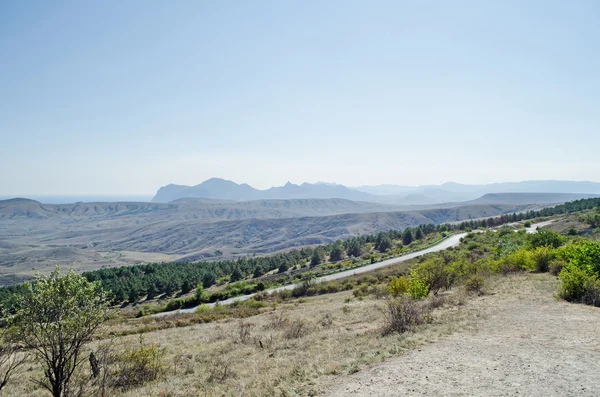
296,349
283,351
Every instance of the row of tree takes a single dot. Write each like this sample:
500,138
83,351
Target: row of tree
130,283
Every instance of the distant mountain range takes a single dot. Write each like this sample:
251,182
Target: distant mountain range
220,189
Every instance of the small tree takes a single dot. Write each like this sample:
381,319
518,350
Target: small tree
208,280
201,295
407,237
55,318
258,271
11,358
283,268
354,248
151,292
315,260
236,275
385,243
337,252
419,234
186,286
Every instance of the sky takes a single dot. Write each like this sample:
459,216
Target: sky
120,98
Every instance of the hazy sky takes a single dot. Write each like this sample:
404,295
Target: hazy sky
113,97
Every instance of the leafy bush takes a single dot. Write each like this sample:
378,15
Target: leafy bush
503,231
433,273
542,256
583,253
201,295
592,292
174,304
573,281
556,266
518,261
546,238
398,286
403,313
417,287
138,365
475,284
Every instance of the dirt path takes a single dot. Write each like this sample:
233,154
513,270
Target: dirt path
527,344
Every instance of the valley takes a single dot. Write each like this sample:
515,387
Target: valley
35,237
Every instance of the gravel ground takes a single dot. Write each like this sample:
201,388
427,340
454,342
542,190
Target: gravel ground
526,344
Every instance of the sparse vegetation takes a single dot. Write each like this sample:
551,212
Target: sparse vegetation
403,314
294,337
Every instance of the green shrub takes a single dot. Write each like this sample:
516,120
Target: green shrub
202,309
249,303
174,304
417,287
527,224
475,284
434,273
520,260
556,266
573,281
592,292
503,231
362,290
542,256
138,365
398,286
473,246
546,238
583,253
200,295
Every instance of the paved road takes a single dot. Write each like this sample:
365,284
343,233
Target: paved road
533,228
445,244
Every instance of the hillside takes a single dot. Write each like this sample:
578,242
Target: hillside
451,191
36,237
185,209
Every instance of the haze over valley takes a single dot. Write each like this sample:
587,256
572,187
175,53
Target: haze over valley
221,219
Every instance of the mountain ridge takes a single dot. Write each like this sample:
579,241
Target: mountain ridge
217,188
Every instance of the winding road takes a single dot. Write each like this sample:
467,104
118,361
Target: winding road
451,241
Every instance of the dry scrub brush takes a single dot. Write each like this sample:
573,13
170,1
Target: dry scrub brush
403,314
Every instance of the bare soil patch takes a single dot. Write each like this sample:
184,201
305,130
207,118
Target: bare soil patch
526,344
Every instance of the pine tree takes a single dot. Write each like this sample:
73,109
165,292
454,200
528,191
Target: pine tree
419,234
337,252
407,237
315,260
236,275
